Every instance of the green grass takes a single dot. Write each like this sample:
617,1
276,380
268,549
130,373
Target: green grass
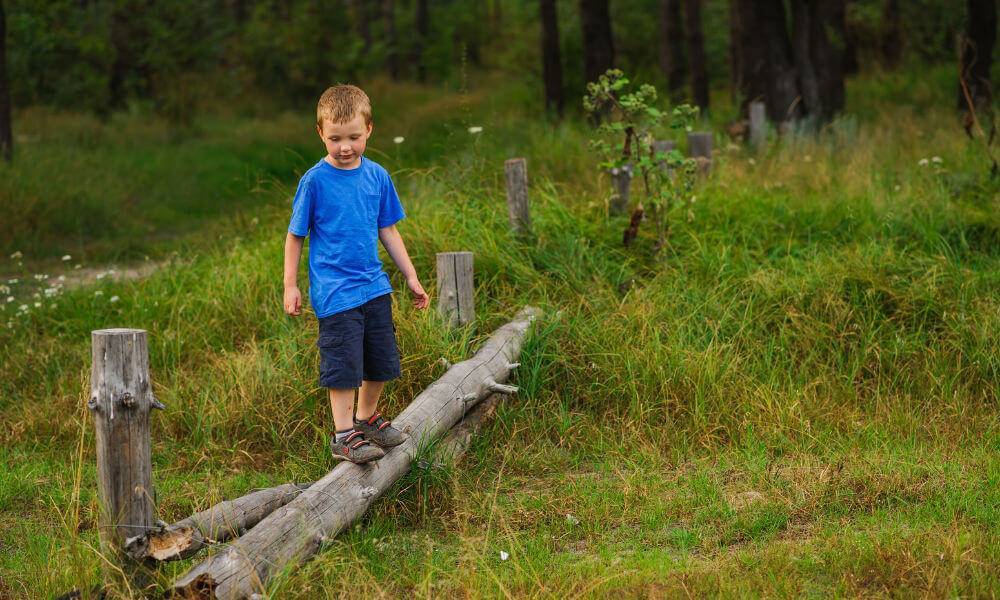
797,398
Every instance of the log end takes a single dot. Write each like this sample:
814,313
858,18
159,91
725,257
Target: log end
165,544
201,587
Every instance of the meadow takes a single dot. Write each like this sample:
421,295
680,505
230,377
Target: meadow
797,397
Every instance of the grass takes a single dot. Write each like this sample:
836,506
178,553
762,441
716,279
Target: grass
797,398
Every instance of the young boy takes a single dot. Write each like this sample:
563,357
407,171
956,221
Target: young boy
344,203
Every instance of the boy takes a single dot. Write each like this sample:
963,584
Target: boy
344,203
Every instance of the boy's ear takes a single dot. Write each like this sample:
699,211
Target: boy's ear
370,126
319,130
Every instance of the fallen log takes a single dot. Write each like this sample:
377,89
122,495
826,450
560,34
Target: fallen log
219,523
231,518
296,531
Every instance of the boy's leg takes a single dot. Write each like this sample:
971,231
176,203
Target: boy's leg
368,399
341,405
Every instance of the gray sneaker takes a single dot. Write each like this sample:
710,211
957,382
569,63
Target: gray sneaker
355,448
379,431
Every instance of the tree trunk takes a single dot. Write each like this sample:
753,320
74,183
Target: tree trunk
782,92
219,523
422,25
696,53
748,54
977,60
672,47
6,131
892,34
851,65
551,60
391,42
361,15
296,531
598,47
818,63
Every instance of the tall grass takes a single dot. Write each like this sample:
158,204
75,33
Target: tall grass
796,398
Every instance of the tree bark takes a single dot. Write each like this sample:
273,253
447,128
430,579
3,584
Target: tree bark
977,59
782,92
696,53
296,531
672,48
422,25
598,46
551,59
6,130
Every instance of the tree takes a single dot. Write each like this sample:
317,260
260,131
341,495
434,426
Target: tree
391,41
696,53
975,96
551,60
892,34
422,21
598,47
6,133
672,47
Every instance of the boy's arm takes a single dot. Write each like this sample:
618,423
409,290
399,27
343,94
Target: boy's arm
293,252
393,243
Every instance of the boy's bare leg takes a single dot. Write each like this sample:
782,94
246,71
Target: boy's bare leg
342,405
368,399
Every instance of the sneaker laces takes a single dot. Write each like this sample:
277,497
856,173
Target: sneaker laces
376,419
357,444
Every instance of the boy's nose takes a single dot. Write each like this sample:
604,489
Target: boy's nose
345,147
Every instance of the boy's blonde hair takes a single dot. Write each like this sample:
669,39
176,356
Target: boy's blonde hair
341,103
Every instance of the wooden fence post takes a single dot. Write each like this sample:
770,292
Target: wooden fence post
758,124
516,171
456,301
621,180
700,148
120,400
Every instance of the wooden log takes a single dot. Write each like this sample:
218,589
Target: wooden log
700,148
621,183
120,401
516,172
297,530
456,301
459,437
758,124
663,146
219,523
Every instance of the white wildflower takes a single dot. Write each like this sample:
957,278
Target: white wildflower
40,277
936,159
38,304
23,308
113,299
62,278
4,289
67,257
98,293
12,281
77,266
751,161
572,520
49,292
504,555
398,139
897,188
475,129
10,298
16,255
923,162
100,275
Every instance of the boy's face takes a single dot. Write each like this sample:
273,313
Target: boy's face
345,142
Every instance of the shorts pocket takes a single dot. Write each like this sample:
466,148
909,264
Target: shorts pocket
330,339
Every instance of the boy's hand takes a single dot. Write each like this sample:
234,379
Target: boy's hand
293,301
420,298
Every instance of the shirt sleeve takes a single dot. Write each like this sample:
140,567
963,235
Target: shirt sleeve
302,209
390,210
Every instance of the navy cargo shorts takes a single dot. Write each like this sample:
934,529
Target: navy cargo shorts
358,343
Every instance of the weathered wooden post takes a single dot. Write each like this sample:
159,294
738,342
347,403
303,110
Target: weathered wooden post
758,124
664,146
700,148
456,301
621,181
120,400
516,171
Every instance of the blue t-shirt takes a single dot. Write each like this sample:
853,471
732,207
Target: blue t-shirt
341,211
